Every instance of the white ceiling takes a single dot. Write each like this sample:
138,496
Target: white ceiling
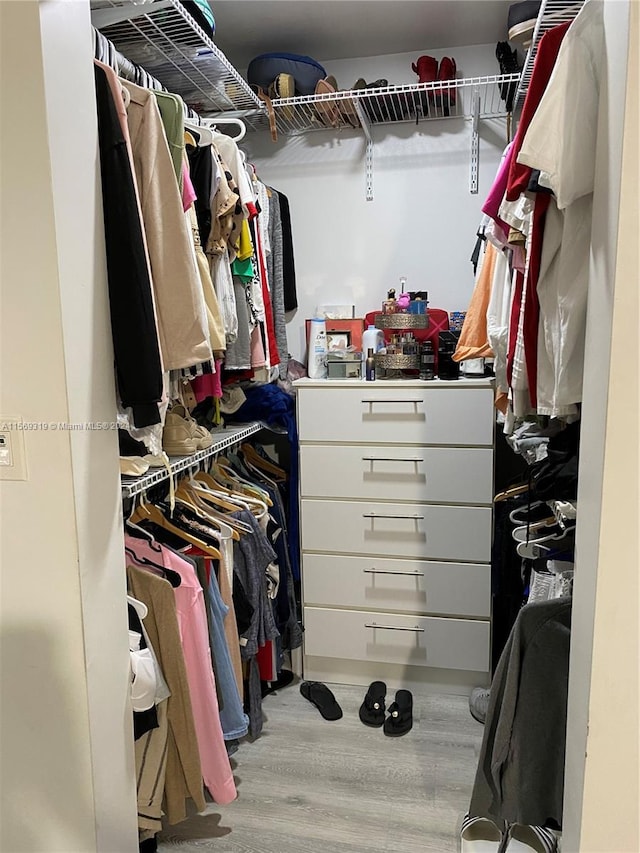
341,29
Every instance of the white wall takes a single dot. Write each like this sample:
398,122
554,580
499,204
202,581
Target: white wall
423,219
602,771
68,782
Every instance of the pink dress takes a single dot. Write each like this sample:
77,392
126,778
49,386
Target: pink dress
194,633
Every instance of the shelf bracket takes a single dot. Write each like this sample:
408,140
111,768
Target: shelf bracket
368,155
475,142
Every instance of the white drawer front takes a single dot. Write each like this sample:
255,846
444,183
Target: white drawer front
456,416
439,474
411,586
409,640
426,532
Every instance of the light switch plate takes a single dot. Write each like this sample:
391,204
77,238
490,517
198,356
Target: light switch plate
13,459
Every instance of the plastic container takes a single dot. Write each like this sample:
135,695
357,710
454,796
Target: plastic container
372,338
317,356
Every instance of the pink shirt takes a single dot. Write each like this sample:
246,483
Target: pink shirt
194,633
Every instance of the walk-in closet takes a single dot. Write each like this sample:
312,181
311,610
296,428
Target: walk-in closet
319,426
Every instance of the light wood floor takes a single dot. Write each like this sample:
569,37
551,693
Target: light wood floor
310,786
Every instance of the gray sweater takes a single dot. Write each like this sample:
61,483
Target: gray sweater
520,776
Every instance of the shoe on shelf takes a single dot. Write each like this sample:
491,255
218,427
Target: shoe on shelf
327,111
400,719
446,98
182,436
284,86
521,21
426,67
479,703
372,710
133,466
480,835
508,62
530,839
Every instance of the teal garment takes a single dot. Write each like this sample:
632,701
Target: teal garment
245,270
172,116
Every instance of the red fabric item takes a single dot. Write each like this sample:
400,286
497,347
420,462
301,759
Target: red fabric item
209,385
531,301
546,56
513,323
265,662
274,355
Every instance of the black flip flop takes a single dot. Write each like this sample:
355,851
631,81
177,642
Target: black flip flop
400,719
324,700
372,709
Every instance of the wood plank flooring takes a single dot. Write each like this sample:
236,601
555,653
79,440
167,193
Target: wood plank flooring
311,786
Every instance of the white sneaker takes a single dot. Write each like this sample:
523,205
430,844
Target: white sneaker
133,466
182,436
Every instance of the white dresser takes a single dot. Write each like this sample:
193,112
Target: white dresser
396,487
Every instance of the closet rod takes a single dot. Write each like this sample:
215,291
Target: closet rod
222,440
105,51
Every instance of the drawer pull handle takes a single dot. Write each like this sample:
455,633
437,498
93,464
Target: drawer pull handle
387,402
416,630
392,459
384,572
409,517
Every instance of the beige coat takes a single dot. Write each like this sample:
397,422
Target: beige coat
180,305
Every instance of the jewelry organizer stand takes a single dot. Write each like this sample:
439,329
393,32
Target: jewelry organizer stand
399,366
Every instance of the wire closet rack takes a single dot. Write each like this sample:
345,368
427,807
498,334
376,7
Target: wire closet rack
222,440
467,98
163,38
551,14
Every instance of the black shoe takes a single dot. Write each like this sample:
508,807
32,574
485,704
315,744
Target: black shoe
508,62
371,711
324,700
400,719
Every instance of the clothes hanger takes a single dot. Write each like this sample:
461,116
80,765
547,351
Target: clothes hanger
227,470
152,513
203,134
257,461
511,492
220,120
129,525
194,502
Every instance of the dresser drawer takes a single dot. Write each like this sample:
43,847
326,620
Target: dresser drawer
438,474
457,533
410,586
392,638
415,415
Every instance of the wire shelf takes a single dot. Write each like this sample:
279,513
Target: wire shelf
551,14
166,41
483,97
222,440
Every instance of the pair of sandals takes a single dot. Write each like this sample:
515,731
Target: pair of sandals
481,835
372,710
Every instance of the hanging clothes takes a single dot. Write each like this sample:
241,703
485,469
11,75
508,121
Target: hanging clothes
179,301
133,322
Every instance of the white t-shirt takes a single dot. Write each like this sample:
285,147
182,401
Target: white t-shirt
561,141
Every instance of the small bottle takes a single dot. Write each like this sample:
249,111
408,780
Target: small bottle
410,345
427,361
389,306
370,366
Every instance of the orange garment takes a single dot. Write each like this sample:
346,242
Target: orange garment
474,341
